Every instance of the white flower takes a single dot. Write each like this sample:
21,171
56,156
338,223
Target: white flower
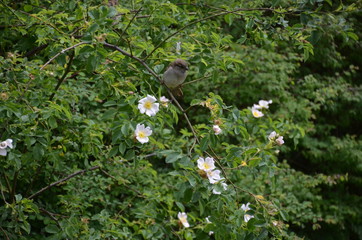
142,133
210,233
214,176
256,113
206,165
272,136
183,219
216,192
224,185
245,207
8,143
207,220
217,129
148,105
279,140
264,104
256,106
164,101
247,217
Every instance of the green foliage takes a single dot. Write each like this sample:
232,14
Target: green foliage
72,75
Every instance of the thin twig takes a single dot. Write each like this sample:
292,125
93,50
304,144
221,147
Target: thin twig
62,180
7,237
130,22
60,81
2,193
224,12
45,22
114,178
12,195
196,80
51,215
61,52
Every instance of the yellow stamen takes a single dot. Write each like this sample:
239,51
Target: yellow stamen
141,135
148,105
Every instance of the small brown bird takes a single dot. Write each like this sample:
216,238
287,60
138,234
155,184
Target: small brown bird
175,75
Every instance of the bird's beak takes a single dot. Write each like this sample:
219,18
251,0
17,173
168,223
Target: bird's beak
187,68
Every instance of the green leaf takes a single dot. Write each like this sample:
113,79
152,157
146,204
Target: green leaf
204,143
52,228
122,148
28,8
172,157
180,206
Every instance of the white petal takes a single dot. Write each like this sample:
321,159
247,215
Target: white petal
142,140
151,98
200,163
9,142
247,217
214,191
3,152
279,140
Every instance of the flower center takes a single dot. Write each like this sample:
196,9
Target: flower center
148,105
206,166
183,219
141,135
3,145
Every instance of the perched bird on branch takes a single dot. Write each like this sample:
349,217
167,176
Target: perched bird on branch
175,75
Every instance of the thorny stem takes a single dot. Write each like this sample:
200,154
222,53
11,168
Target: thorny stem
62,180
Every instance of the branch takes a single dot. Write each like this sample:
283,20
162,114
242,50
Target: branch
129,24
51,215
7,237
61,80
62,180
61,52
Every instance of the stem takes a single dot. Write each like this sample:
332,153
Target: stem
14,185
61,52
7,237
129,24
60,81
62,180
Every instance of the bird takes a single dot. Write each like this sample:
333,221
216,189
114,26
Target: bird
175,75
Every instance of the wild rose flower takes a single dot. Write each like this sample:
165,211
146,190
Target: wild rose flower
247,217
8,143
164,101
256,113
207,164
183,219
148,105
245,207
224,185
142,133
279,140
214,176
264,104
272,136
217,129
